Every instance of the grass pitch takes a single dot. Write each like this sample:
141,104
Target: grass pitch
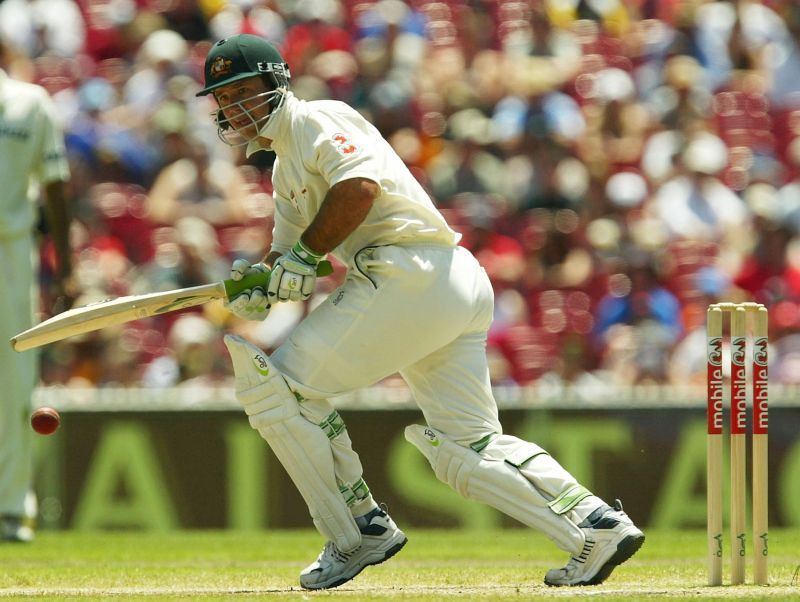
435,565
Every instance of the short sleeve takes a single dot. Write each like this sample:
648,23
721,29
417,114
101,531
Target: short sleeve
344,149
288,225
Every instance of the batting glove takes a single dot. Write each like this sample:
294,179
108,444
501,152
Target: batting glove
251,304
294,274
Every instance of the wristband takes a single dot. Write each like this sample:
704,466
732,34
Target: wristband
306,254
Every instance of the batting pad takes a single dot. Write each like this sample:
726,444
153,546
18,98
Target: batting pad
301,446
490,479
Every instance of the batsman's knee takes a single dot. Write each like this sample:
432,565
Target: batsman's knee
455,464
491,471
260,387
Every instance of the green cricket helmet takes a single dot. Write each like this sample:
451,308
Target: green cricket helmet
240,57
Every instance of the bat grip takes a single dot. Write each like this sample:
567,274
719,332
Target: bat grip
261,279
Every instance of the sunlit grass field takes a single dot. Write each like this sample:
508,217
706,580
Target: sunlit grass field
434,565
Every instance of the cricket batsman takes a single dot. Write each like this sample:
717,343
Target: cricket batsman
413,302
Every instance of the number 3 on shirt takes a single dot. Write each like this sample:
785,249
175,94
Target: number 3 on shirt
343,145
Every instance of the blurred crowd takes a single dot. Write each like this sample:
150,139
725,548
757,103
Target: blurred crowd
616,165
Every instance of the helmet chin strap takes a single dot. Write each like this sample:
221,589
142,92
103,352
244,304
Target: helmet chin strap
230,134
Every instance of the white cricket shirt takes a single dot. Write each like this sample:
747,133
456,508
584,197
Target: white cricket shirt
321,143
31,153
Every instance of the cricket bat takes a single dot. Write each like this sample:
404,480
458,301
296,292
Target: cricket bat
135,307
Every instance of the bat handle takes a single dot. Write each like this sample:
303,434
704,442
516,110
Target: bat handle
234,287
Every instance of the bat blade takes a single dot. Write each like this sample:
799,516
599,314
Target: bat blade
114,311
135,307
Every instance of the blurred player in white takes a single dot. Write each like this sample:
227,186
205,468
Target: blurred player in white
32,162
413,302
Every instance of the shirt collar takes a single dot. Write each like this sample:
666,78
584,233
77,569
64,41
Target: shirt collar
274,129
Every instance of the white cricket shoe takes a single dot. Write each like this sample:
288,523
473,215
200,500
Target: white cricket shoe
611,538
380,540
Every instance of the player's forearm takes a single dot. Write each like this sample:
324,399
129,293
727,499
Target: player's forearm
58,214
345,206
270,258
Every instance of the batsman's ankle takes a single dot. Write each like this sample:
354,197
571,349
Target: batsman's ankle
363,506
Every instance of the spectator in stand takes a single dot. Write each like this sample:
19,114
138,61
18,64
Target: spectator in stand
317,29
467,167
749,36
160,57
499,254
555,251
683,99
186,255
194,352
616,123
687,362
789,192
248,16
39,27
696,203
196,185
639,300
528,351
767,274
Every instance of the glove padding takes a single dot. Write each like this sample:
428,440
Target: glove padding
250,304
294,275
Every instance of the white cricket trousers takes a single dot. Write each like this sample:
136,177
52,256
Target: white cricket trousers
422,311
18,372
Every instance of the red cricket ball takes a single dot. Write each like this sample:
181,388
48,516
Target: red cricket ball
45,421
